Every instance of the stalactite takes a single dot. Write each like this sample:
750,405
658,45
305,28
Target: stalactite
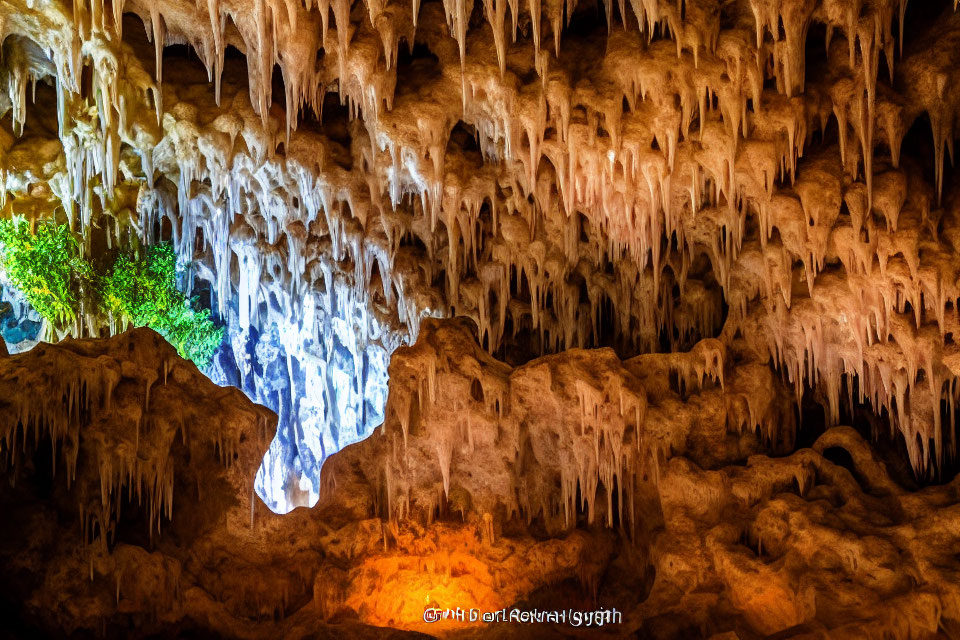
568,181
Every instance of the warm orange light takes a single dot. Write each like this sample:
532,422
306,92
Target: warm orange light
396,589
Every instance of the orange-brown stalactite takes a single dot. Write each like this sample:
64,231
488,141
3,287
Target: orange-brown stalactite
621,252
638,484
117,409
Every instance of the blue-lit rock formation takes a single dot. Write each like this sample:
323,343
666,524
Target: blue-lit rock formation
327,386
20,325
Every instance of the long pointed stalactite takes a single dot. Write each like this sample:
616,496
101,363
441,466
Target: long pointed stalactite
609,253
642,187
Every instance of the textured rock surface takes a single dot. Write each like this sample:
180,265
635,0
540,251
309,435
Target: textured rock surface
747,203
566,174
474,507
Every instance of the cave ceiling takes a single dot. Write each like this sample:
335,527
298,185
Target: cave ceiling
636,175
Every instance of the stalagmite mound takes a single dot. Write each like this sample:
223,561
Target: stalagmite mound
574,481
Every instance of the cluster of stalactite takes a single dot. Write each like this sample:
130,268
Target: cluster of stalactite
673,171
562,439
116,409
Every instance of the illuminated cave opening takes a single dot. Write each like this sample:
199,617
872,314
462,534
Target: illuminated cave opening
328,392
19,324
308,363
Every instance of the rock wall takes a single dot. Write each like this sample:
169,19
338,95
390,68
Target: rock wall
19,324
131,509
747,203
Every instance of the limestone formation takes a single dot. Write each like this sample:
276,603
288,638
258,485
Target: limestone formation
527,493
562,297
642,179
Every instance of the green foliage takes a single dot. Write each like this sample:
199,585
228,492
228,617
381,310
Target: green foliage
46,266
144,291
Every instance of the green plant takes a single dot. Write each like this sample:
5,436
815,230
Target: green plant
46,265
144,292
